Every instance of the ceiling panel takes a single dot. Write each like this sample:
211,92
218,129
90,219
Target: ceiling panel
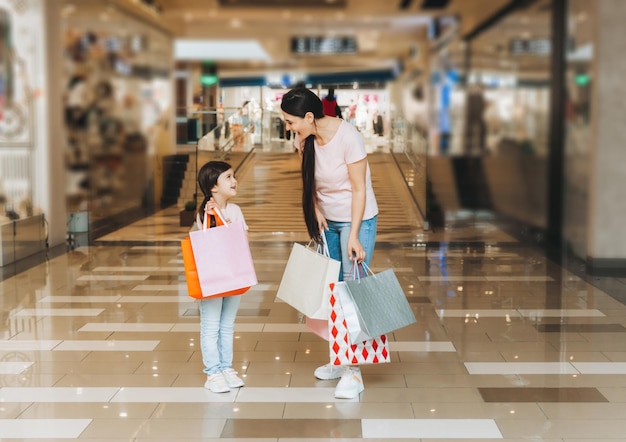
283,3
386,30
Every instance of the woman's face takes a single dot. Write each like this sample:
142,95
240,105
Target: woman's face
226,185
302,126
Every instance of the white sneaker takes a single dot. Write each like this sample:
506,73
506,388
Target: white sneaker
328,371
232,379
350,384
216,383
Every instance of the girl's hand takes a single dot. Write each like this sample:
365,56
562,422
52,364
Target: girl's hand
210,205
356,251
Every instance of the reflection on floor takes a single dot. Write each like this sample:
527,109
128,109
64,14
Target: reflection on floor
101,343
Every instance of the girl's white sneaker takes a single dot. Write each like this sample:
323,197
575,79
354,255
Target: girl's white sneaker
216,383
232,379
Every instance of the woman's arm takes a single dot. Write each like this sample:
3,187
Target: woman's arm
357,172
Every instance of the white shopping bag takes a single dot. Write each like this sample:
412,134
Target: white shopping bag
306,279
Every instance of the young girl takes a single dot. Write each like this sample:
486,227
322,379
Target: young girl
217,182
337,197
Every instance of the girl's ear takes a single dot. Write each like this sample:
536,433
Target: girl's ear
309,117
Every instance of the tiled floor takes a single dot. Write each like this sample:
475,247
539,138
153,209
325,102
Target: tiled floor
101,343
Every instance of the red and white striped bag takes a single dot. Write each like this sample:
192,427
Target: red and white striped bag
345,352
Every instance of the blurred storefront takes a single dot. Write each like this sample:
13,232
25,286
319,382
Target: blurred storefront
117,103
524,121
489,112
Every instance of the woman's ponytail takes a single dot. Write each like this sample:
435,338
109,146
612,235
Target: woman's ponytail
308,188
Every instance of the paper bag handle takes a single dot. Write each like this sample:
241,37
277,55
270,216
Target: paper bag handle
360,270
217,213
321,248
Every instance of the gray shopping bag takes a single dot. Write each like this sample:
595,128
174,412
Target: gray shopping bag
381,303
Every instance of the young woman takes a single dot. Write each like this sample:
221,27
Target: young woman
337,197
217,182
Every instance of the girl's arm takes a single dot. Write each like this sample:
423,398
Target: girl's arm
357,172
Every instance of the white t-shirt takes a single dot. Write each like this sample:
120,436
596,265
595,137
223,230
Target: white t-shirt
232,212
332,181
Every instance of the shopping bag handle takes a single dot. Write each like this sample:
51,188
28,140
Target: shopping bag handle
324,245
321,248
359,270
217,213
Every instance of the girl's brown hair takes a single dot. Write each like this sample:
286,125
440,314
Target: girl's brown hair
207,179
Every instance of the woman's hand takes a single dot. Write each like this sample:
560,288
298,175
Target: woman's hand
321,220
356,250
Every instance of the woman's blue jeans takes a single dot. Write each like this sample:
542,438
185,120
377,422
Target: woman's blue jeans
337,240
217,328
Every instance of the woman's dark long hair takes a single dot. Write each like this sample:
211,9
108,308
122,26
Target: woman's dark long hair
207,179
298,102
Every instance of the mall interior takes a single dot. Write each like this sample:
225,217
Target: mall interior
494,134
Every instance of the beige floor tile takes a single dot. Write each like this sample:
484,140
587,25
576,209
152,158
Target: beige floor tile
13,410
600,429
285,428
401,395
150,368
185,354
266,356
438,410
164,429
30,379
89,411
379,380
480,356
103,380
318,346
307,379
460,380
506,439
269,380
582,411
558,356
426,357
87,368
219,411
285,367
615,394
352,410
190,380
615,356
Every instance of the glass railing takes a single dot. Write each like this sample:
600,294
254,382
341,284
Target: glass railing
229,135
410,149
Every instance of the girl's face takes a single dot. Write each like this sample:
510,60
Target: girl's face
226,186
302,126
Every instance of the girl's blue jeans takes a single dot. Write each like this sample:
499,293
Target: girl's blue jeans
217,328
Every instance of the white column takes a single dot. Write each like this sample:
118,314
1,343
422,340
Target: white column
607,201
49,164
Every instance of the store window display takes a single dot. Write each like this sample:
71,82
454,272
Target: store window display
115,95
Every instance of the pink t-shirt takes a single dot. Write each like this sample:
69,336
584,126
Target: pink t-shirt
332,182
